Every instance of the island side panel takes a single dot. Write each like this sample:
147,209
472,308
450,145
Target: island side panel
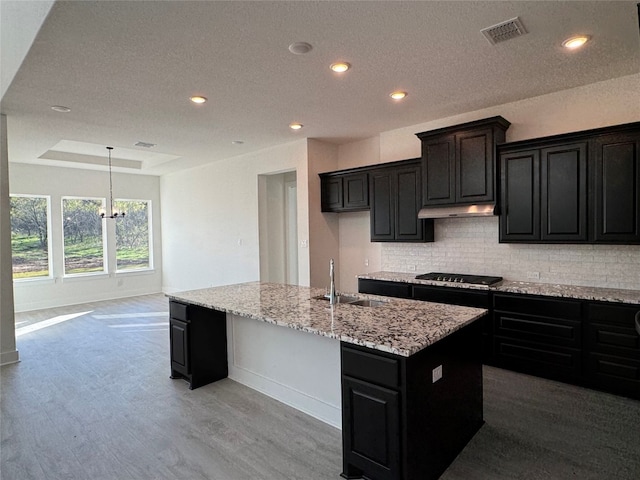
295,367
442,416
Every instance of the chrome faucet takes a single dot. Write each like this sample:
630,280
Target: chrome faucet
333,296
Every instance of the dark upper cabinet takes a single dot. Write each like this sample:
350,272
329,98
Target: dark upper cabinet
459,163
344,191
563,209
520,180
617,187
395,202
582,187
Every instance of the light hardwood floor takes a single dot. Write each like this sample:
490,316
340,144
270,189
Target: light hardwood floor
92,399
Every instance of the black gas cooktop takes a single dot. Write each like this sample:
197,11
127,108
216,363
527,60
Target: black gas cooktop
459,278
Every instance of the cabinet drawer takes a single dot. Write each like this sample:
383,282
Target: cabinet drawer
613,340
370,367
544,306
178,311
615,374
453,296
388,289
550,361
538,329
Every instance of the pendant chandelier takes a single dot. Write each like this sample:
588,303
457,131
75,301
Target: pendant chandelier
112,212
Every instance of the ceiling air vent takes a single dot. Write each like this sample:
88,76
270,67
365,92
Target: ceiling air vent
504,31
144,144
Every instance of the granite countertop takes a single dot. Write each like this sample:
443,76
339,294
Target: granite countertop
399,326
529,288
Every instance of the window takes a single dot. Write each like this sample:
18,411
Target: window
30,243
83,235
133,235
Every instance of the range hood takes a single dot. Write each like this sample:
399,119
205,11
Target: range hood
448,211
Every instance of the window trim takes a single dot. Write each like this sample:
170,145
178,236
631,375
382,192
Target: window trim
42,278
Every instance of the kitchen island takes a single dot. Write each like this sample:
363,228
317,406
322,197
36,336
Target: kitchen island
408,373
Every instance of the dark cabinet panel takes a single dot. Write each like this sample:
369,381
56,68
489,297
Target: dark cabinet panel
539,335
520,180
371,429
395,202
475,164
582,187
459,162
179,338
438,164
617,188
198,341
612,348
387,289
344,191
564,193
356,191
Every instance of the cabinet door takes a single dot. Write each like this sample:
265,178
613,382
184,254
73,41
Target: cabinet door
617,188
563,184
331,193
370,429
382,206
520,196
475,166
438,170
407,205
179,340
356,191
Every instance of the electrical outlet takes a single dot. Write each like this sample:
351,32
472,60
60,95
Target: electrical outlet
533,275
412,268
304,243
436,374
366,262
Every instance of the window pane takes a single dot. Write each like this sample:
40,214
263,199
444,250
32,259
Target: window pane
83,244
29,236
132,235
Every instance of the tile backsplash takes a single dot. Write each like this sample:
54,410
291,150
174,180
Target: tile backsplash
470,245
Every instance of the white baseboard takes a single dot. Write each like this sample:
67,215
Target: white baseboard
7,358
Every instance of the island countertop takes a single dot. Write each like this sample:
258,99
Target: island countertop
402,327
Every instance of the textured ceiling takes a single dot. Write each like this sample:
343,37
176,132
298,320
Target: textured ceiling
127,69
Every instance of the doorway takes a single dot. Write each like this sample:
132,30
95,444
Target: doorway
278,229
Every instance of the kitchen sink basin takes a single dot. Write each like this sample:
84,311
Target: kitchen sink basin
365,302
349,300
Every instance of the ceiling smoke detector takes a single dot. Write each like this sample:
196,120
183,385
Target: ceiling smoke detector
504,31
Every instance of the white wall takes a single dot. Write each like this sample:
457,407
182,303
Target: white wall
58,182
211,219
471,245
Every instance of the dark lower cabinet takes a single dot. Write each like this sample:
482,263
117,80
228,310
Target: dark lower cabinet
400,422
539,335
387,289
612,348
198,342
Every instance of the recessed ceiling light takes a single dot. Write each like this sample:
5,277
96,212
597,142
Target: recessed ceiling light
60,108
340,67
300,48
398,95
237,142
576,41
295,126
198,99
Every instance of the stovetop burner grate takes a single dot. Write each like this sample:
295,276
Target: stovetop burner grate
459,278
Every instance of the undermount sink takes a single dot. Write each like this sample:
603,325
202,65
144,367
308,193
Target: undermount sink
365,302
349,300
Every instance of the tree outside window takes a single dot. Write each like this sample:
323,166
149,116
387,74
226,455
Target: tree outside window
30,244
83,236
133,235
